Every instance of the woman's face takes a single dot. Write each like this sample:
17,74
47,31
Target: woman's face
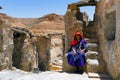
78,37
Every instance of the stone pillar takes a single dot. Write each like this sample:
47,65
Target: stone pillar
43,49
72,24
28,51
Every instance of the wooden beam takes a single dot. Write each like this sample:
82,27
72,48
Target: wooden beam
82,3
19,31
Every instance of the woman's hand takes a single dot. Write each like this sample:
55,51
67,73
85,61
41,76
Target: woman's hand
74,52
83,50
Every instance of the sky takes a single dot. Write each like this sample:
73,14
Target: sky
38,8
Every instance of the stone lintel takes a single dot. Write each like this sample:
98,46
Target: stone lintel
82,3
18,30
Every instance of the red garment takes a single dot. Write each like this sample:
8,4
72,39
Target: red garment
75,41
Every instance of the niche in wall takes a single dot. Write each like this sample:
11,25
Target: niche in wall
110,29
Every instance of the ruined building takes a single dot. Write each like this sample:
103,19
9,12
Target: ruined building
102,31
27,49
30,48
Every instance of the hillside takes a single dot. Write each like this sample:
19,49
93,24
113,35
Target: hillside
48,24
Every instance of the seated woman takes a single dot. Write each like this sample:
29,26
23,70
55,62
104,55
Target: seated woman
76,53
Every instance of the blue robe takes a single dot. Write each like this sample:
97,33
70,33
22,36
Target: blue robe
79,59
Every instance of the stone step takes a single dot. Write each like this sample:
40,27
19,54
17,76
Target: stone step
92,46
93,65
88,40
55,68
90,36
98,76
91,55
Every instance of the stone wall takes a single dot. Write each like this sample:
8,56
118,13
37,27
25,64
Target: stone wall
107,22
15,51
43,50
72,23
6,45
24,51
1,35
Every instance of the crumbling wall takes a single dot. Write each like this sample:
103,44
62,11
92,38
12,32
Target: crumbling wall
107,22
6,44
72,23
19,48
43,50
1,35
28,58
24,54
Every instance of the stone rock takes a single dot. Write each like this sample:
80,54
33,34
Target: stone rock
93,65
91,55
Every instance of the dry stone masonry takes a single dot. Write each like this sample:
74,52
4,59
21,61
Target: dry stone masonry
107,22
74,21
26,49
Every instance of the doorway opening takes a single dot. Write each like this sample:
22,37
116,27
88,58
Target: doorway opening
56,52
18,40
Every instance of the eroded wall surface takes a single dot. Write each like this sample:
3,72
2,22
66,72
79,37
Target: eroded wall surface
107,22
43,51
6,43
72,23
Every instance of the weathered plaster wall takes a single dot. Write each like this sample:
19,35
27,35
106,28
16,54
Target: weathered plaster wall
72,24
43,49
24,54
1,35
107,22
6,45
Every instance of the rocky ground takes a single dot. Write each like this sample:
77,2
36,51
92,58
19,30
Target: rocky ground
47,75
